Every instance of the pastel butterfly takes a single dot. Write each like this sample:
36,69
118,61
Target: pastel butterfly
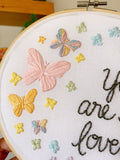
115,32
64,43
80,58
39,125
15,78
46,74
54,146
23,102
97,40
36,144
82,28
41,39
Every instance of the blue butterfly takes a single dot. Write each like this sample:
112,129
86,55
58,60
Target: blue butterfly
97,40
115,32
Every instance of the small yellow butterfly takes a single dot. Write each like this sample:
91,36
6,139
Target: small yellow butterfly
23,102
15,78
41,39
80,58
50,102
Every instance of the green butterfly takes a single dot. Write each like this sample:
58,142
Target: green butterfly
36,144
82,28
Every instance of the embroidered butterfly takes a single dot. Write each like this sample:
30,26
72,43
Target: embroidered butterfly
64,43
15,78
36,144
80,58
97,40
82,28
115,32
23,102
46,74
39,125
41,39
54,146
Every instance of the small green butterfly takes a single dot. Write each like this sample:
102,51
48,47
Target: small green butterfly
36,144
82,28
71,86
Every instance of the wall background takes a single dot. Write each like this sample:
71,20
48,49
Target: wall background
9,33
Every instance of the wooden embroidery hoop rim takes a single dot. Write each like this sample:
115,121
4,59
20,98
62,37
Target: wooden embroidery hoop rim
46,17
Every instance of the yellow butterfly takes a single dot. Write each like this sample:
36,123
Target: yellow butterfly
80,58
23,102
15,78
41,39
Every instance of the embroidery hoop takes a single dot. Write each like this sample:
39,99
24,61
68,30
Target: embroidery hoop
102,11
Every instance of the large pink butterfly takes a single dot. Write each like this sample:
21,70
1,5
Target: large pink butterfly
46,74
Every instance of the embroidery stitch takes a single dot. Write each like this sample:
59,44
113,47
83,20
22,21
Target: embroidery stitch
98,141
87,109
46,74
50,103
82,28
71,86
119,119
39,125
80,58
54,146
53,158
23,102
70,158
15,78
64,43
115,32
36,144
113,86
19,128
97,40
41,39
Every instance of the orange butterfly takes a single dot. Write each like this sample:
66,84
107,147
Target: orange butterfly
23,102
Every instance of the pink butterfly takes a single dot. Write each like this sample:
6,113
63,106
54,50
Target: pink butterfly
46,74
